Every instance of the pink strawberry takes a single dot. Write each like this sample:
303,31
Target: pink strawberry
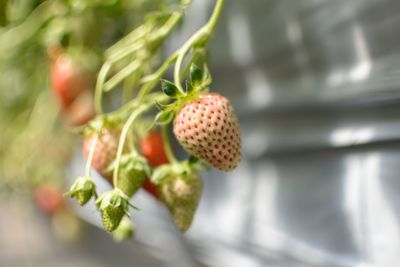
207,127
105,150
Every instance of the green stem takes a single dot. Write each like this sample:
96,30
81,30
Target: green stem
132,37
152,80
90,157
167,145
99,87
212,23
122,139
122,74
134,115
201,38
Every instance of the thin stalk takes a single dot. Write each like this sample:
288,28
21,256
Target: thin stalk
121,75
99,87
134,115
90,157
212,23
152,80
122,139
133,36
167,145
202,36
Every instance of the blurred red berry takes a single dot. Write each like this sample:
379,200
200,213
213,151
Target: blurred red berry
152,148
68,79
48,198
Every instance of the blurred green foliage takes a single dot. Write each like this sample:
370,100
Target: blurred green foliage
34,144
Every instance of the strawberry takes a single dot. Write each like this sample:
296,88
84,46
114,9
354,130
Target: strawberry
181,194
206,126
105,150
152,148
180,188
113,206
68,79
150,188
48,197
133,170
83,190
124,231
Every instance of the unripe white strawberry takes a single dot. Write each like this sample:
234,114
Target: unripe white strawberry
181,195
105,150
207,127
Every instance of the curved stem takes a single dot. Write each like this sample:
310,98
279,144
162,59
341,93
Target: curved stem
167,145
134,115
122,74
183,51
212,23
122,139
99,87
201,37
152,80
90,157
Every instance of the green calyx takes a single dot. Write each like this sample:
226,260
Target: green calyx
101,122
196,85
83,189
183,168
113,205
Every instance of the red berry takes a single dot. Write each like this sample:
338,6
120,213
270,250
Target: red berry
48,198
150,188
68,80
152,148
105,150
207,127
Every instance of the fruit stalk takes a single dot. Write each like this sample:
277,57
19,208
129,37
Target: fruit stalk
90,157
201,37
167,145
135,114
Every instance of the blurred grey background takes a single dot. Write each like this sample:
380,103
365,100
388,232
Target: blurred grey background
316,87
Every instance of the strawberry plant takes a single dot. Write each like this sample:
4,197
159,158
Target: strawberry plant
127,141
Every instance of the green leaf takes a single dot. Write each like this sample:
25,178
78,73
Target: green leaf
169,89
193,160
196,75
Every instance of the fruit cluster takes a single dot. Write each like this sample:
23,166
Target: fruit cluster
131,153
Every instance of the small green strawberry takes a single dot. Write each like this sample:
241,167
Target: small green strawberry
113,205
180,188
83,189
124,231
133,170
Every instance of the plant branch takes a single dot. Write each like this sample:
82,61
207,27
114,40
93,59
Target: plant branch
167,145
